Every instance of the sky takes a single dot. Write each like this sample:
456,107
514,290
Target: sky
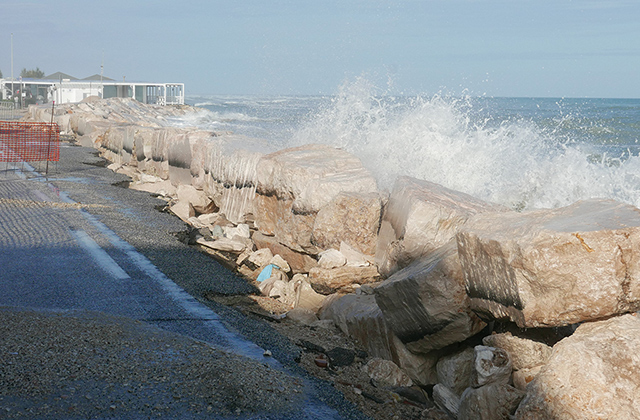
531,48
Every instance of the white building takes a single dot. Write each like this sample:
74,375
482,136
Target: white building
63,88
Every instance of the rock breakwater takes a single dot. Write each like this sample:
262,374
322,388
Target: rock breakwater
471,300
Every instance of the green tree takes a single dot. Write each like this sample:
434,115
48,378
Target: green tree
0,74
32,74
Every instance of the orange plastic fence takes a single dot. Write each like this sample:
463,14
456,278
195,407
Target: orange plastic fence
29,141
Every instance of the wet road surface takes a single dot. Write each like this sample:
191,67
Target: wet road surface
76,241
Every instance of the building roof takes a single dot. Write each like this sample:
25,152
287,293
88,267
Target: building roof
59,75
97,77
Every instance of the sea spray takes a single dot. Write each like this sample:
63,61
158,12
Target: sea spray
524,153
511,160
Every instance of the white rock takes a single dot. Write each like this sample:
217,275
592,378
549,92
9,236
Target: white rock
146,178
299,262
209,218
350,217
223,244
424,217
522,377
163,188
280,262
592,374
114,166
306,297
331,258
183,210
281,291
354,257
344,279
244,256
261,257
523,353
312,176
196,198
196,223
266,286
426,305
491,365
554,267
242,230
217,232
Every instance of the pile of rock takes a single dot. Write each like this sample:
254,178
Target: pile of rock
420,278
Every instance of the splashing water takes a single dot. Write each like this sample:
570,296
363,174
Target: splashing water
522,161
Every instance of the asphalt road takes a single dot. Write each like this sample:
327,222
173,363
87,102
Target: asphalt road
76,240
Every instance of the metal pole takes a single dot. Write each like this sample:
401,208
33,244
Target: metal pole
46,172
12,91
101,94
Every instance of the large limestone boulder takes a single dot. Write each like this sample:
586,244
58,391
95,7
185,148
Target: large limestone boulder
294,184
312,176
423,217
592,374
489,402
522,378
455,370
523,352
554,267
353,218
179,158
426,305
230,165
359,317
387,373
275,217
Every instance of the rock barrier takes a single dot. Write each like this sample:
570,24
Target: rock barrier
451,292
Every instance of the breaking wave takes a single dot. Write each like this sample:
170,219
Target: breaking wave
523,156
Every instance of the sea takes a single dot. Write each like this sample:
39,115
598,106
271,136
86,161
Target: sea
525,153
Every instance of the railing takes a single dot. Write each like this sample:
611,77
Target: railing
167,94
8,111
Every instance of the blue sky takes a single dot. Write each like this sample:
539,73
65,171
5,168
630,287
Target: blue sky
558,48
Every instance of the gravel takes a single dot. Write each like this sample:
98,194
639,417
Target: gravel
82,365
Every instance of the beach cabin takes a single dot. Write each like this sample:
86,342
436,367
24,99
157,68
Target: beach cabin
63,88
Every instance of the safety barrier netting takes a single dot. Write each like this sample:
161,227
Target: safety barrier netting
29,141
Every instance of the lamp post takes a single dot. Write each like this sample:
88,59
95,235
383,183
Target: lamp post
12,94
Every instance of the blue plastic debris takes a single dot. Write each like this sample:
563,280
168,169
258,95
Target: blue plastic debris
266,272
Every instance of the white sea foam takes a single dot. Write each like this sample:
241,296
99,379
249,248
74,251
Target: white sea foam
521,152
515,162
213,120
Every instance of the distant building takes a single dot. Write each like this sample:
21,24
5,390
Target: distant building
63,88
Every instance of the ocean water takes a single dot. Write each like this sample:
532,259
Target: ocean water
525,153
